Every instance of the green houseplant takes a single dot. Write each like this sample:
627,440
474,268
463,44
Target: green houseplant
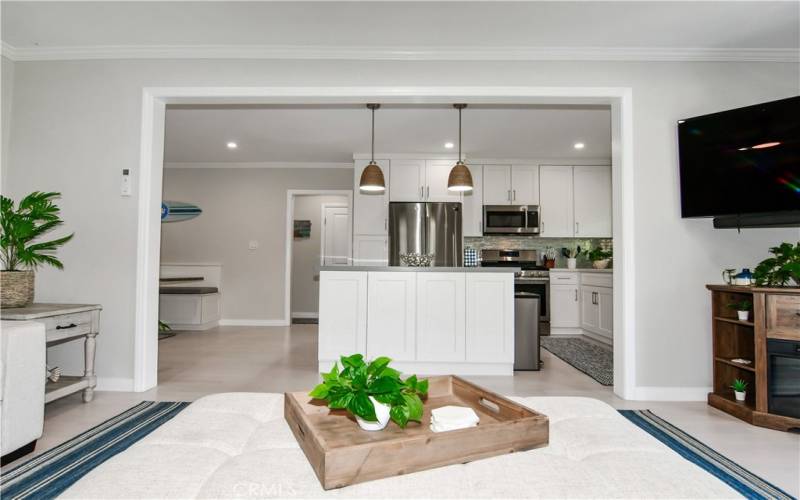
21,250
783,267
742,308
372,391
739,387
599,257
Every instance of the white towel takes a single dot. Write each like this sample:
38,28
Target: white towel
450,418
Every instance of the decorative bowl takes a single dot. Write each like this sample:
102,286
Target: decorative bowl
416,259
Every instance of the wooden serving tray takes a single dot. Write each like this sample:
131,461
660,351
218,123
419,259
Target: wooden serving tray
343,454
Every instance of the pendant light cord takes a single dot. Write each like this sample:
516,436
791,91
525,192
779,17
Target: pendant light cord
372,155
459,134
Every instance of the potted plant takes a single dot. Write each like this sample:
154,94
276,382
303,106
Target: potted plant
550,255
600,258
780,269
739,387
571,253
742,309
372,392
20,254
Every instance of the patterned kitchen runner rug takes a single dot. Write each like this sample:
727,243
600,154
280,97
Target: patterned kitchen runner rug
52,472
589,357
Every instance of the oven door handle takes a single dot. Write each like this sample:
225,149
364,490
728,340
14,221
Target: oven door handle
531,280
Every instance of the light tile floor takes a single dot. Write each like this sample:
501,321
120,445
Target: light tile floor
279,359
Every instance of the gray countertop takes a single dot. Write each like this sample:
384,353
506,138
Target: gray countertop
581,270
403,269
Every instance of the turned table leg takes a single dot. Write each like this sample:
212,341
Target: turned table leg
89,348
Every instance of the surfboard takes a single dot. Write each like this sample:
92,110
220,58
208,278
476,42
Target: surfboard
176,211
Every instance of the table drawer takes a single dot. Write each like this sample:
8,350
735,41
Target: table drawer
783,316
67,325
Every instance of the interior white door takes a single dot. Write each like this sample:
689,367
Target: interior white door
336,241
342,313
556,216
370,250
497,184
472,204
391,308
440,317
490,317
436,174
564,306
370,210
592,190
408,180
525,184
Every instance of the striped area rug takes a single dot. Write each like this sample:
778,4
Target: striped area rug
52,472
734,475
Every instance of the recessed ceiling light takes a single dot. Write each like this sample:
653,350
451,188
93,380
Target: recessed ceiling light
681,121
766,145
579,145
449,145
743,149
232,145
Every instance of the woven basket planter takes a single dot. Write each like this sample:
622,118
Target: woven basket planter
16,288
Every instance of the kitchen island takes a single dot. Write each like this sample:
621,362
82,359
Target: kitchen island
429,320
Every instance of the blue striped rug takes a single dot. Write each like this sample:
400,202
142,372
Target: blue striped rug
734,475
52,472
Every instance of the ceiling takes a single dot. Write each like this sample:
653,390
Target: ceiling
332,134
399,28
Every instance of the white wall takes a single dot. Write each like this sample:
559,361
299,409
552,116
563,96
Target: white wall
306,252
76,124
240,205
6,92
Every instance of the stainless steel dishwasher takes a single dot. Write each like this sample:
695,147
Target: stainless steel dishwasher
526,331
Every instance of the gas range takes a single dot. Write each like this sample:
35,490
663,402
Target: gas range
532,278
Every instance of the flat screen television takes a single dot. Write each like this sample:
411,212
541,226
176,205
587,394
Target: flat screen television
742,161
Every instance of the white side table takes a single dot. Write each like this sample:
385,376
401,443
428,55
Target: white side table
65,323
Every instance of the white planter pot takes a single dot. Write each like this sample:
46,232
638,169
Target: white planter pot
572,263
600,264
743,315
740,395
381,411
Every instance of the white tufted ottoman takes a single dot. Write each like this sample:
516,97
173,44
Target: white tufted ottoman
237,445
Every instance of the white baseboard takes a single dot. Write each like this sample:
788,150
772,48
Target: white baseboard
671,393
560,330
305,315
424,368
253,322
194,327
114,384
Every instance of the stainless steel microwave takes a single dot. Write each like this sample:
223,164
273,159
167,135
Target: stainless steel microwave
510,219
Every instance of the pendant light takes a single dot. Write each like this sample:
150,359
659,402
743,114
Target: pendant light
372,175
460,178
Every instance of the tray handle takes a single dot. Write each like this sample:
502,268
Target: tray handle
489,404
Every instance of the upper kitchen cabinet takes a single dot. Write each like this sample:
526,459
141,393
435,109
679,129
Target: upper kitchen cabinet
556,216
472,204
592,188
421,180
370,211
511,184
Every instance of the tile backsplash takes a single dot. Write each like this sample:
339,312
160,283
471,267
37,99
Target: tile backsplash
539,244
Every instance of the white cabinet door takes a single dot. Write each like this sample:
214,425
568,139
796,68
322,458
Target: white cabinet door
592,191
555,201
590,317
525,184
370,211
342,313
490,317
391,305
472,204
605,309
564,306
436,175
408,180
440,317
369,250
497,184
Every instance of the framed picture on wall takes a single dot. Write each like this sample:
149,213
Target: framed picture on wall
302,229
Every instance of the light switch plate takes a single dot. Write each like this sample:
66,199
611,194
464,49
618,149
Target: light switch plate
252,245
125,187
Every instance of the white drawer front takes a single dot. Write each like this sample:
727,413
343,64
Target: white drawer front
68,325
563,278
597,279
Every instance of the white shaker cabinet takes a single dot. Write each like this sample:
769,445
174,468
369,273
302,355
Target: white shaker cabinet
556,216
597,308
440,317
370,210
490,317
496,184
437,173
342,314
592,193
525,184
391,315
408,180
564,300
370,250
472,205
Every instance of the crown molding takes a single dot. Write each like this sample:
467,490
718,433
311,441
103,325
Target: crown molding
262,164
787,55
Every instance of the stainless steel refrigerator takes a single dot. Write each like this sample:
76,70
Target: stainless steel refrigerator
426,228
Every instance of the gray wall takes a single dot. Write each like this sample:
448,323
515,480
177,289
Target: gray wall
306,252
77,123
7,91
240,205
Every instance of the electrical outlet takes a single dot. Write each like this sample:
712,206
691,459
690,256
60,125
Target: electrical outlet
252,245
125,188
